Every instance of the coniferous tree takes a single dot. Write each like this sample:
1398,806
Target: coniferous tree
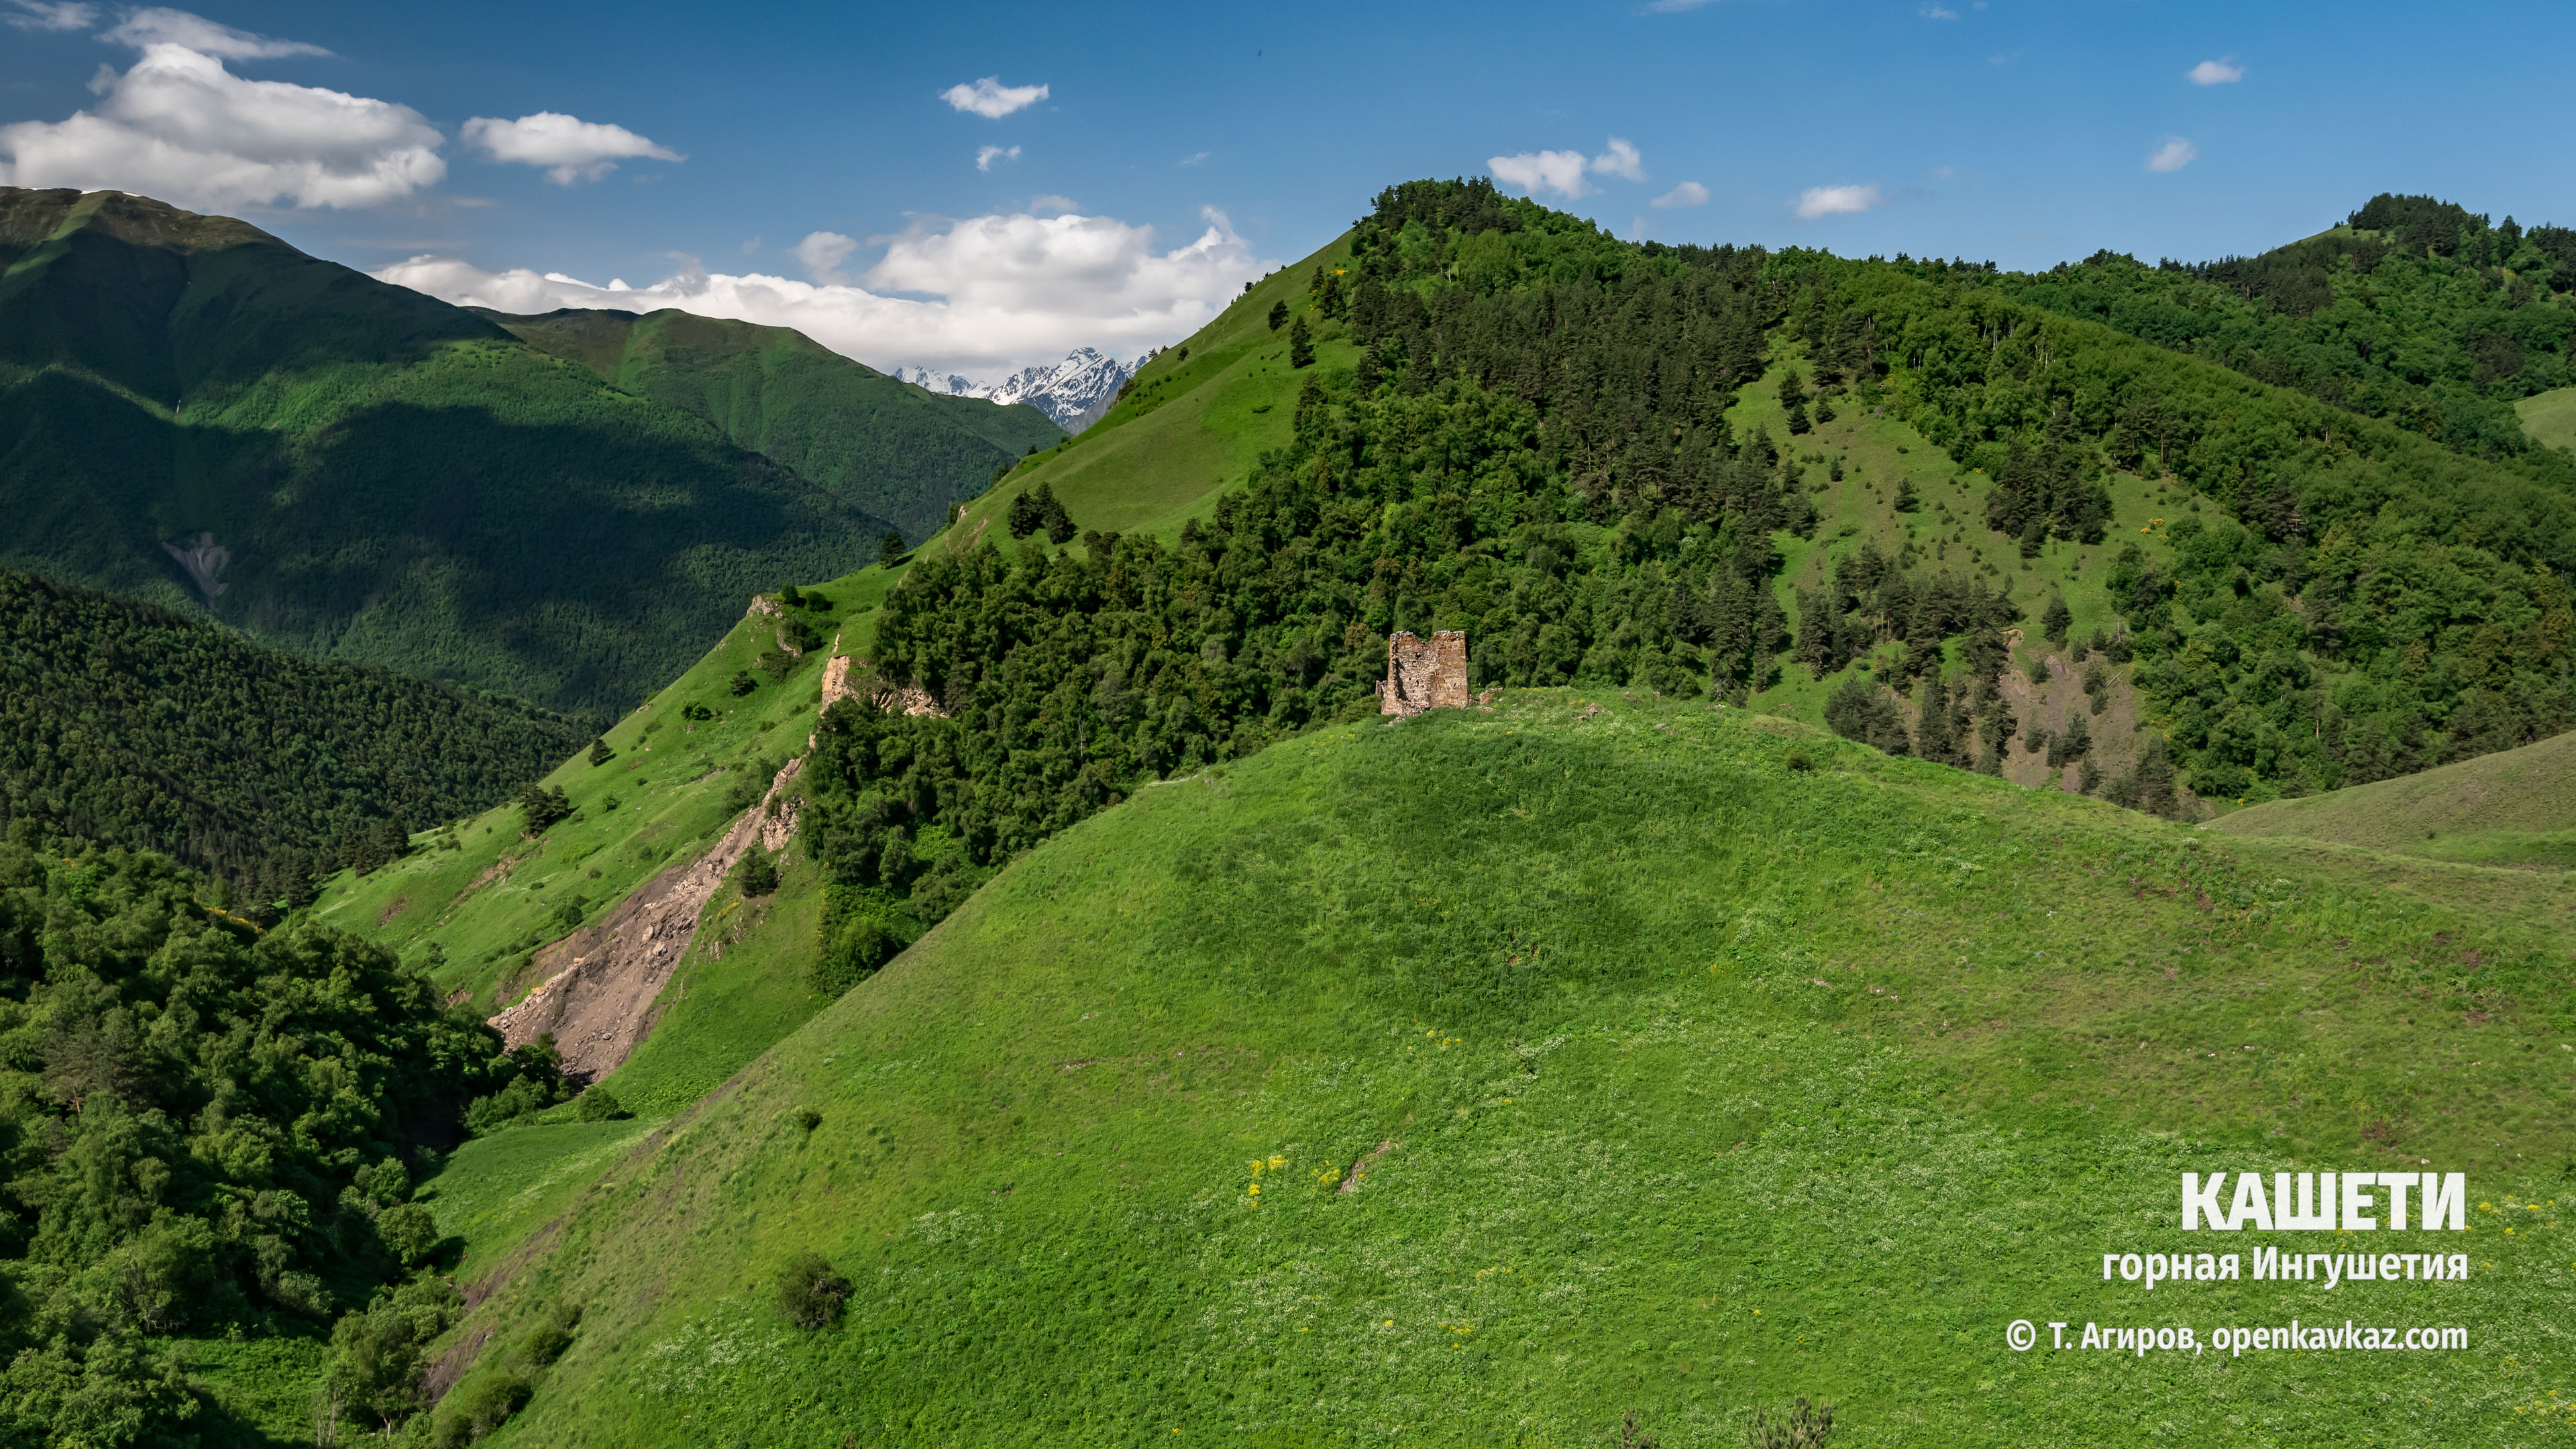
1026,515
600,753
1052,517
1278,315
2056,619
1301,344
890,549
1907,500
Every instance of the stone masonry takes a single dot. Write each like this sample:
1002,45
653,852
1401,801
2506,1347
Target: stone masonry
1425,673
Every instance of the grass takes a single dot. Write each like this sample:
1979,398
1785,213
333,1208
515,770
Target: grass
490,903
2515,808
1680,1079
2550,417
1192,425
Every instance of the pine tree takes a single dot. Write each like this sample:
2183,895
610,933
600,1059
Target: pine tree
1278,315
600,753
2056,620
1025,516
1052,517
1907,500
1301,345
890,549
757,877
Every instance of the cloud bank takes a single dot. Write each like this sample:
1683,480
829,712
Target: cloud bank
992,99
1822,201
179,126
979,296
571,149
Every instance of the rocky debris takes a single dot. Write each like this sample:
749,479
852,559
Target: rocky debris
836,679
763,604
599,1002
201,559
1424,673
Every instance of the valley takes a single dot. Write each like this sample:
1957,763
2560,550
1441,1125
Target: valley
1948,762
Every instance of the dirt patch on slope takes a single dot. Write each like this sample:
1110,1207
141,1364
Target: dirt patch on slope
604,979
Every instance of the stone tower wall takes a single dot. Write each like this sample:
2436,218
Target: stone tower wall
1425,673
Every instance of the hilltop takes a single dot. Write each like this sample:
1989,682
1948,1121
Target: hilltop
203,416
1503,1073
2508,809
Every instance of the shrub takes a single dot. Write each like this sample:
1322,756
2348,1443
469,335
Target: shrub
479,1408
755,876
408,1232
1801,1426
807,1119
810,1293
597,1105
546,1342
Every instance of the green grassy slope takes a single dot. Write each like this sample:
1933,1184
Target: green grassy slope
391,480
1189,425
2513,808
491,901
2550,417
881,446
1675,1079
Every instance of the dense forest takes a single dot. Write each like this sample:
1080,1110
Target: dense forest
1532,447
2348,600
2415,311
206,1130
128,724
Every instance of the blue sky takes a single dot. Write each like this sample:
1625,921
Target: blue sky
1178,149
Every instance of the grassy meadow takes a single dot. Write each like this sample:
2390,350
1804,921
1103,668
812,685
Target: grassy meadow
2550,417
1679,1060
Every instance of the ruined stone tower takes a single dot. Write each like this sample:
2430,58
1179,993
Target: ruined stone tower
1425,673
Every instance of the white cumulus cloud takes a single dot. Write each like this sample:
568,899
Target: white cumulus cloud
1689,193
978,296
1938,12
1621,160
985,156
1537,171
181,127
570,148
158,26
1564,172
823,252
2175,154
1818,201
40,15
2216,73
992,99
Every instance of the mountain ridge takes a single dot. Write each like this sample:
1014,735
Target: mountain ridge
390,479
1074,392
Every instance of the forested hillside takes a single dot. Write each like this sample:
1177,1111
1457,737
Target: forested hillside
2414,310
1531,443
210,1134
197,412
127,724
881,446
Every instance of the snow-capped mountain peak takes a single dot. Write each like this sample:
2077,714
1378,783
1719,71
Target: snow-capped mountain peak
1073,392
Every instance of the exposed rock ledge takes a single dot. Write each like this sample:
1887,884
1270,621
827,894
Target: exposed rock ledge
599,1000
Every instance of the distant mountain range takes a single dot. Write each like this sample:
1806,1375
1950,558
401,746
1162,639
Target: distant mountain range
563,508
1074,392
